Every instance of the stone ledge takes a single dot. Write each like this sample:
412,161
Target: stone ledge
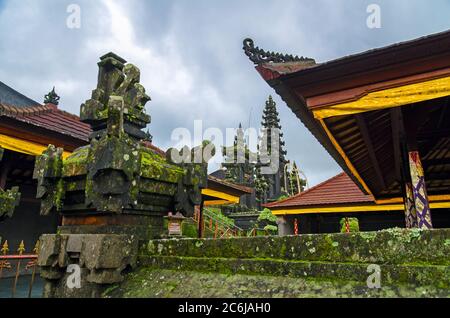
417,275
155,283
395,246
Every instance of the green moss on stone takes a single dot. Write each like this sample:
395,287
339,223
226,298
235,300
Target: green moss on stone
153,166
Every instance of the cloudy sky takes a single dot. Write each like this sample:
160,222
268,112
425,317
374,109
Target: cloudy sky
190,54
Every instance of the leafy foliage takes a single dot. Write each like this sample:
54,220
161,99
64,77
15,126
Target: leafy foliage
271,229
353,225
189,230
266,215
217,215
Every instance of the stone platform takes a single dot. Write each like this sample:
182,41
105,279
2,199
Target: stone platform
412,263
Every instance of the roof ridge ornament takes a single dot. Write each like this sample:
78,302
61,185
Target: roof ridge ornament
259,56
52,97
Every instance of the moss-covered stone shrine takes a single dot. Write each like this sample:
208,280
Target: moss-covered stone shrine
115,190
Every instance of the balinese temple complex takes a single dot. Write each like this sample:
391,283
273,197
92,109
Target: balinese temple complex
383,115
26,129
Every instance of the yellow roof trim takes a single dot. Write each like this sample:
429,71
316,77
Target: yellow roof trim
340,209
389,98
25,146
354,208
220,195
217,202
431,198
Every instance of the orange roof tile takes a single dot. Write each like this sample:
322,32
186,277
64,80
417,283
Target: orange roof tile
338,190
230,184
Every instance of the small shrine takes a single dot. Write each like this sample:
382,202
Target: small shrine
115,191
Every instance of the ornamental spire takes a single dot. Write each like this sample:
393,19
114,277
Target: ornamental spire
259,56
51,97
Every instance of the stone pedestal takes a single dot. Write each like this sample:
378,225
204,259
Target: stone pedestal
84,265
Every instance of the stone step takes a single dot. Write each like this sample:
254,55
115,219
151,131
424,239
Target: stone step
390,274
164,283
396,246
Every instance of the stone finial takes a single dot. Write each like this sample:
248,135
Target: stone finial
117,80
259,56
51,97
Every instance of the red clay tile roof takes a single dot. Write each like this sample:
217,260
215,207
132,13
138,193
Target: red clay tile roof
230,184
338,190
21,108
49,117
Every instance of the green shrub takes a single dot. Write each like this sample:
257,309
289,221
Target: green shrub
353,222
189,229
271,229
282,197
218,215
266,215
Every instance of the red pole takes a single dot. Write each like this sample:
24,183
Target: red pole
215,230
200,220
295,227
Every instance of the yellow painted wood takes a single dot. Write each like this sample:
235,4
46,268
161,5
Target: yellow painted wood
340,209
220,195
389,98
217,202
440,205
355,208
24,146
431,198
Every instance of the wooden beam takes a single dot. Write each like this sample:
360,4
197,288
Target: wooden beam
5,165
438,176
396,142
436,162
369,146
440,133
443,113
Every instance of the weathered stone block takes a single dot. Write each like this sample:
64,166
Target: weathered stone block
102,259
50,247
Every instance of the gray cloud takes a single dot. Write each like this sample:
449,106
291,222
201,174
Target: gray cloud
190,55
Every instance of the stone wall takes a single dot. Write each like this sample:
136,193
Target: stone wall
412,263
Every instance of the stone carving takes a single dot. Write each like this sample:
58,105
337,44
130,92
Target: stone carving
101,259
259,56
51,97
117,173
114,192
